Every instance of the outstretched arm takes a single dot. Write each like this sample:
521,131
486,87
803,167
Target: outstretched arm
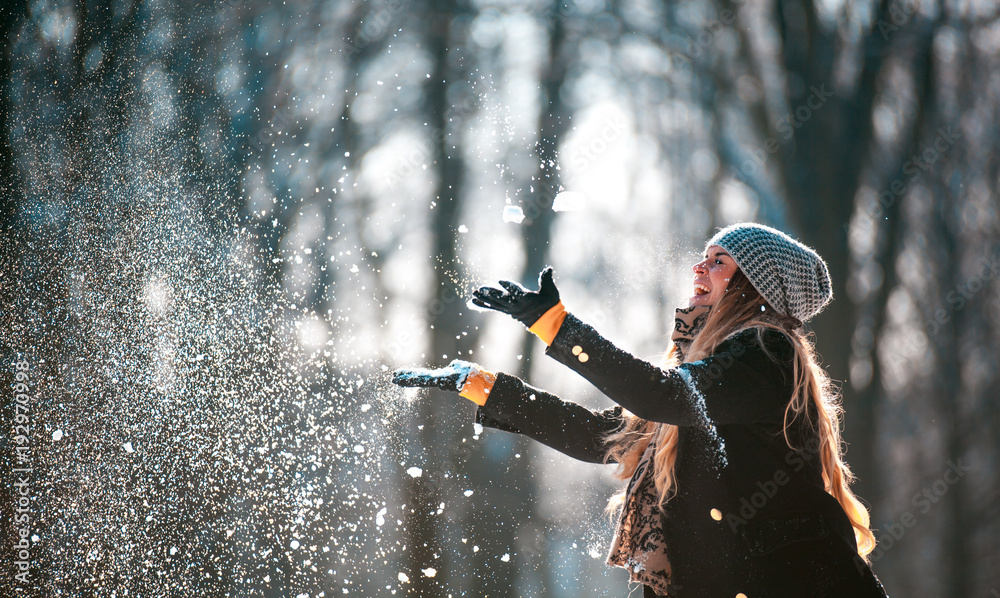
748,378
571,429
508,404
744,381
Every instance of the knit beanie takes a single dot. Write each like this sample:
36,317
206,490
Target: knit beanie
791,277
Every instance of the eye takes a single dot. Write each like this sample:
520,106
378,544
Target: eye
719,262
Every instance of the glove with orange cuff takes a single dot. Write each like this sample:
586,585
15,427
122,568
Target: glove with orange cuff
463,377
540,311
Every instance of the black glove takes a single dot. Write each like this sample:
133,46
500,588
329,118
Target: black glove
452,377
518,302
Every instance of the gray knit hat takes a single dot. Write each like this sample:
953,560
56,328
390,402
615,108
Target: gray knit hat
791,277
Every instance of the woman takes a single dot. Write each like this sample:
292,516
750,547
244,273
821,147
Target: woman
736,484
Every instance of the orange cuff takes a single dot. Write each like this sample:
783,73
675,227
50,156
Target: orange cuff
478,385
548,325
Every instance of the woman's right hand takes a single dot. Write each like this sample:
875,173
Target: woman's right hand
518,302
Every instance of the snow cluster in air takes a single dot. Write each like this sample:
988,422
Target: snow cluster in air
567,201
513,214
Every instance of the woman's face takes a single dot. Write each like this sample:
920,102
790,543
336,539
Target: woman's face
711,276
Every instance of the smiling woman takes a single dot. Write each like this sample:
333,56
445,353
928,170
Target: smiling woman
731,448
712,276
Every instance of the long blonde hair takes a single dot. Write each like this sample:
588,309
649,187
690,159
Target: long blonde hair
741,308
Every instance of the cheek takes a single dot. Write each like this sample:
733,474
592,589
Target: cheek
721,278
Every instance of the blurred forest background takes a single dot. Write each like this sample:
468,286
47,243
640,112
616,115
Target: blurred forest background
224,222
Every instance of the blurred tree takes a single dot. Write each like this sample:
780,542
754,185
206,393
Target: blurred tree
512,497
190,140
445,24
12,16
814,125
850,122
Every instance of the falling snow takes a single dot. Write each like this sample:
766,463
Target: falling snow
205,430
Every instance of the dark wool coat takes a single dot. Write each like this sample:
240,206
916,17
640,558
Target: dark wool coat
750,517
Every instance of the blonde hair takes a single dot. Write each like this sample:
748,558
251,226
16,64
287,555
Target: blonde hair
741,308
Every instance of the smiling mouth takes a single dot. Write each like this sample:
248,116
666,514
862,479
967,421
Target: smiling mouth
700,289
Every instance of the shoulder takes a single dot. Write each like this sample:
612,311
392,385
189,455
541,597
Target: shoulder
749,377
760,341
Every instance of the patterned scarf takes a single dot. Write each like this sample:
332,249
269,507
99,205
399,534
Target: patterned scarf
639,545
688,322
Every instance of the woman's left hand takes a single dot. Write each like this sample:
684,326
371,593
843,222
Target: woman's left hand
518,302
451,377
464,377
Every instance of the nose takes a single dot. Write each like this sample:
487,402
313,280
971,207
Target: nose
699,268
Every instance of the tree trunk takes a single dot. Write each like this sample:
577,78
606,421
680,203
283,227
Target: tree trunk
553,121
436,436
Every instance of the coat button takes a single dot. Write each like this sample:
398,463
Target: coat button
741,595
583,357
577,350
717,515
